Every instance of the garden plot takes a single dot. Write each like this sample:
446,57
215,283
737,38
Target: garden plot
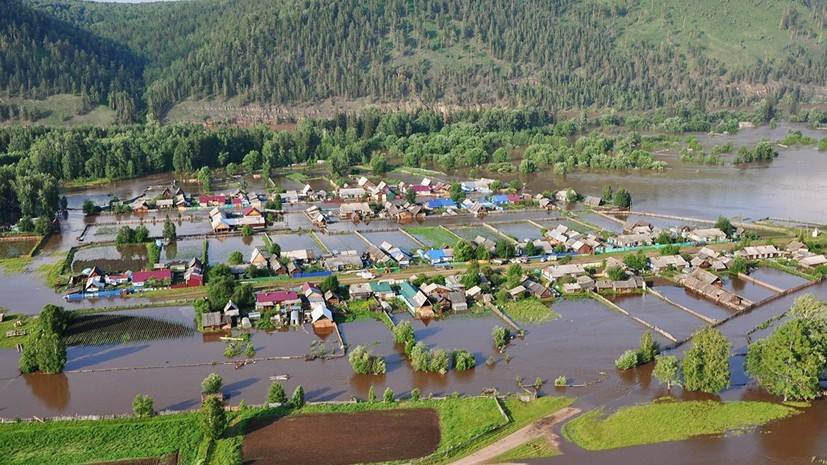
221,247
470,232
110,258
343,242
183,250
433,236
677,322
520,231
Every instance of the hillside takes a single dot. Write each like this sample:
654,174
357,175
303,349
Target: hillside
323,55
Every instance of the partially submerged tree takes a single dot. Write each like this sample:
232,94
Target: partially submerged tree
706,363
667,370
143,406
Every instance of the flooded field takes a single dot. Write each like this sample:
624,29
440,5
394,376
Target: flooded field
520,231
750,290
694,302
183,250
16,248
111,258
777,278
343,242
296,242
470,232
394,237
220,248
601,222
665,316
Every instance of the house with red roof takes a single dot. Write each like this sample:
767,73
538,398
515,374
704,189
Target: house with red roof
287,300
152,277
212,200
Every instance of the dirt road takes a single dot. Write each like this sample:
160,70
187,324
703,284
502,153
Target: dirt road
541,427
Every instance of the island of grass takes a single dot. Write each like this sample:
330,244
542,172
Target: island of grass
668,420
536,448
530,310
434,236
13,324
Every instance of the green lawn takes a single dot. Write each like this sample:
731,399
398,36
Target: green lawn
77,442
15,265
433,235
530,310
8,324
668,420
533,449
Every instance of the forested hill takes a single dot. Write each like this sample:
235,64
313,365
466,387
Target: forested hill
553,54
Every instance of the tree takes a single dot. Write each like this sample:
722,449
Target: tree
464,360
464,251
808,307
219,290
410,195
330,283
125,236
297,400
42,226
247,230
615,273
89,207
141,234
251,161
706,364
637,261
204,176
372,394
275,249
471,277
379,165
45,349
235,258
142,406
790,361
169,230
648,347
501,337
212,384
415,394
528,166
276,395
388,396
622,198
608,194
504,249
667,370
363,362
456,192
213,418
628,360
724,224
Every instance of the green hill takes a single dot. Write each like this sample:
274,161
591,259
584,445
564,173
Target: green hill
553,54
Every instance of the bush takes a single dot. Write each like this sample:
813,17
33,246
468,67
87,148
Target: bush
415,394
648,348
561,381
297,401
235,258
372,394
213,418
627,360
501,337
276,394
364,362
142,406
464,360
212,384
387,396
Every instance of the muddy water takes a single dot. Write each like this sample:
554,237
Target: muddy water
220,248
111,259
16,248
519,230
663,315
694,302
748,289
777,278
343,242
296,242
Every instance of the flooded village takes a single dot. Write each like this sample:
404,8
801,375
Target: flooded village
310,269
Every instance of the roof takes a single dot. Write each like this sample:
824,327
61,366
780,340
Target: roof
319,312
666,261
157,275
412,295
361,288
211,319
381,287
441,203
276,296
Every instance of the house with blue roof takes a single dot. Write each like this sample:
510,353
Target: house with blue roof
435,204
437,256
499,199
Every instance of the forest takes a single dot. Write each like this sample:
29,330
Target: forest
143,59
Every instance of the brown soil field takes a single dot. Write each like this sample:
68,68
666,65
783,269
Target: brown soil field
343,438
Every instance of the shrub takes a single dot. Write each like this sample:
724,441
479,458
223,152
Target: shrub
364,362
415,394
501,337
212,384
142,406
464,360
213,418
561,381
276,394
297,401
627,360
648,348
387,396
372,394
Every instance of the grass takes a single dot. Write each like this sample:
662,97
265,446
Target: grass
668,420
530,310
418,171
300,178
74,442
358,310
61,111
15,265
534,449
434,236
52,272
8,325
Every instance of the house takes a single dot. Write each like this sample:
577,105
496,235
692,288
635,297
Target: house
139,205
230,314
435,204
437,256
813,261
638,227
592,201
795,247
331,298
396,253
555,272
517,293
382,290
474,293
161,277
564,195
625,286
302,255
458,301
165,203
435,289
416,301
580,247
360,291
207,200
377,256
285,299
321,317
290,197
711,287
758,252
350,210
260,258
545,203
211,321
666,262
536,289
485,242
193,276
633,240
706,235
352,193
348,260
252,211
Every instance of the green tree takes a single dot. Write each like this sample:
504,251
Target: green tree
235,258
504,249
141,234
410,195
637,261
456,192
415,394
297,400
667,370
528,166
247,230
388,396
143,406
371,394
628,360
169,230
464,251
648,347
363,362
89,207
212,384
464,360
379,165
706,364
330,283
125,236
622,198
276,395
724,224
608,194
204,176
251,161
791,360
501,337
615,273
213,418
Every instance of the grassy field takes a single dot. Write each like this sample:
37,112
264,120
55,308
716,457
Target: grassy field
534,449
61,111
530,310
668,420
15,265
8,324
75,442
433,235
